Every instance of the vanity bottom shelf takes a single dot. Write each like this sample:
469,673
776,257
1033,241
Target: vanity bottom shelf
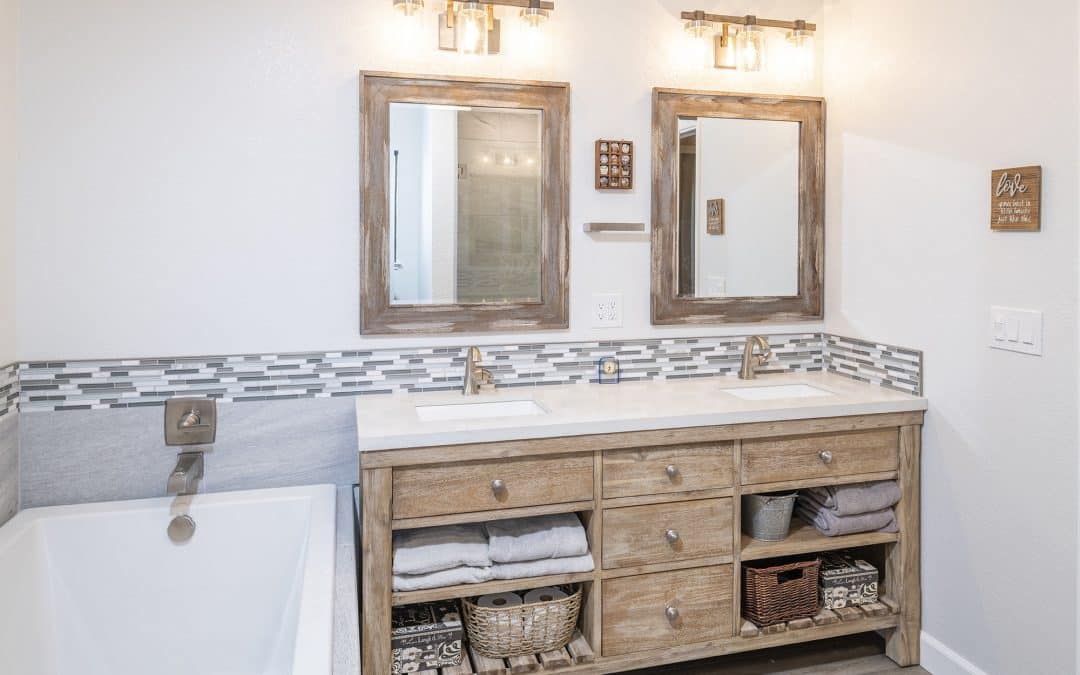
578,652
847,615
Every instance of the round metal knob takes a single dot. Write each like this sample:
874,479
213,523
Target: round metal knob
672,471
181,529
825,456
497,486
672,613
672,536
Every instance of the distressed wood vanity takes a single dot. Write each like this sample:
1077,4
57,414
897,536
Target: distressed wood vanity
662,511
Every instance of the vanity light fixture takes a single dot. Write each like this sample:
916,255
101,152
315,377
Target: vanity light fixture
741,42
471,27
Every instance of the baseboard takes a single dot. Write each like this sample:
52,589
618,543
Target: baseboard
940,660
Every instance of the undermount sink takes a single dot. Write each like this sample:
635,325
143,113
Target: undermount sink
472,411
772,392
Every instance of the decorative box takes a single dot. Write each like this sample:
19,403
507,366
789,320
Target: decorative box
425,637
846,582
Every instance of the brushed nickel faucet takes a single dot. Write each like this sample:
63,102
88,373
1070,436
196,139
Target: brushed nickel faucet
749,361
475,375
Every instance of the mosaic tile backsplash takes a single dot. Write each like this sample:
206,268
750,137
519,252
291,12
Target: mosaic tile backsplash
9,389
91,385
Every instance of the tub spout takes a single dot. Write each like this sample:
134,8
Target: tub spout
185,476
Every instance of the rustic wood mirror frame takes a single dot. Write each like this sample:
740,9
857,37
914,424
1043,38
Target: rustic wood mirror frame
668,307
377,314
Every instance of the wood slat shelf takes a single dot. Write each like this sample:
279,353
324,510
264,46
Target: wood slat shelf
502,586
873,612
804,538
577,653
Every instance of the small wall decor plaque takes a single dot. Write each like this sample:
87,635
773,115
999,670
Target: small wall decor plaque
1016,199
715,217
614,165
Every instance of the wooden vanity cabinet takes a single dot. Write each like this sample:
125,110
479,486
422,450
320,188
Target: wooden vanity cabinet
662,511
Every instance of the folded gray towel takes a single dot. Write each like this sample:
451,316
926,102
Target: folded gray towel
452,577
524,539
543,568
832,525
433,549
851,500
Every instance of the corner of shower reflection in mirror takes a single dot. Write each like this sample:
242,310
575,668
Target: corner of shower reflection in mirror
465,193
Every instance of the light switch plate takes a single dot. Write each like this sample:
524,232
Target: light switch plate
607,310
1016,330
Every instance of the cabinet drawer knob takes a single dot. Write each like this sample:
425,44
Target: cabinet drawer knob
497,486
672,536
826,456
672,471
672,613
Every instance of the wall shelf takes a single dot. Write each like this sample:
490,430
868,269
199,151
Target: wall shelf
615,227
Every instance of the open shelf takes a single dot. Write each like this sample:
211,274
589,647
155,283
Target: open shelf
578,652
804,538
502,586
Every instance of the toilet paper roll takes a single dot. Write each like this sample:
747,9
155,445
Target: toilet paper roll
499,600
546,594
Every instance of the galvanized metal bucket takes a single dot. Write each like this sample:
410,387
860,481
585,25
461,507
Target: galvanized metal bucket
767,517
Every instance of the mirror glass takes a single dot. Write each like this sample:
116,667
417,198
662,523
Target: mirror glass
738,221
465,194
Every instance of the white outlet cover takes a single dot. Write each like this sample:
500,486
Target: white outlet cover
607,310
1016,330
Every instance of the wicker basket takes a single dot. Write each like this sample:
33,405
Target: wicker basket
520,630
781,593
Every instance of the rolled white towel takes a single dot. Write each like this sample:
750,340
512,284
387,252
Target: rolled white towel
433,549
523,539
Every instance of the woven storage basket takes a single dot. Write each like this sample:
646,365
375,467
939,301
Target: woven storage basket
781,593
503,632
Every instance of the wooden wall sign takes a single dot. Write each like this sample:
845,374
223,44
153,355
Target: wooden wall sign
714,223
1016,199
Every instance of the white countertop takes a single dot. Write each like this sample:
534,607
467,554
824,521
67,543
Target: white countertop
391,422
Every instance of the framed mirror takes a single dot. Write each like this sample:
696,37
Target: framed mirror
738,208
464,213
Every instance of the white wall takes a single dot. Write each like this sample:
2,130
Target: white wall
8,45
920,112
189,180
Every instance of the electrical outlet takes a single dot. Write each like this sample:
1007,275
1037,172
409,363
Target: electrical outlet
607,310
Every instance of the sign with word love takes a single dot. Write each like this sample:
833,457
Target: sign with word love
1016,199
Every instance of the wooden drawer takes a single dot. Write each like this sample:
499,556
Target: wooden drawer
635,609
464,488
658,533
769,460
629,473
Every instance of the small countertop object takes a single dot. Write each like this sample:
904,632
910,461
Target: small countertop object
392,422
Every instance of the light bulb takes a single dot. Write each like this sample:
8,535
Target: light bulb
409,7
472,32
751,47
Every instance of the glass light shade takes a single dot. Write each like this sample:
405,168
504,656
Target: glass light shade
801,53
750,45
699,28
472,28
534,17
409,7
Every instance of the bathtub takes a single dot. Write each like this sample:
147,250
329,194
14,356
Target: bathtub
99,589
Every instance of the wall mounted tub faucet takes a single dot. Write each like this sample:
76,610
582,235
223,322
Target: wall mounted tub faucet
188,422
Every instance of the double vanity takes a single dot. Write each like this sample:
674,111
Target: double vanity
656,470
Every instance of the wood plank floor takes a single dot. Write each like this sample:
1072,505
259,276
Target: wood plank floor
854,655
